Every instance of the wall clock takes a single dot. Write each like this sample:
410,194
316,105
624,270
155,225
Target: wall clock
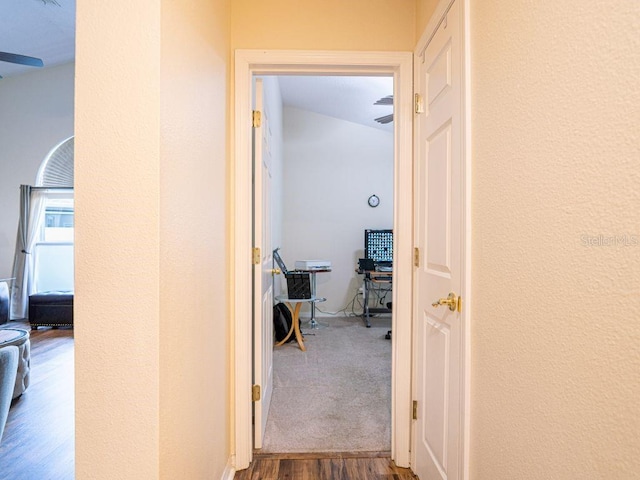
374,201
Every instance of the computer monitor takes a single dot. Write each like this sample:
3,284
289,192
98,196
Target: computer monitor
378,246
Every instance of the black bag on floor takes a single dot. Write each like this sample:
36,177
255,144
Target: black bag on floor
282,321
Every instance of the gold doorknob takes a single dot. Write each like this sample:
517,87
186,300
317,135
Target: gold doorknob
276,271
453,301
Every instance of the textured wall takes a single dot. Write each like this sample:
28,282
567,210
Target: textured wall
194,317
151,318
323,24
556,148
116,302
555,338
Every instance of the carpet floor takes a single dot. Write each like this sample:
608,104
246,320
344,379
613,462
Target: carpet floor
336,396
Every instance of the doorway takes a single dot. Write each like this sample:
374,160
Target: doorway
398,65
328,146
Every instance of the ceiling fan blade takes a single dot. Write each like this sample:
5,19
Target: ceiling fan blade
388,100
384,120
20,59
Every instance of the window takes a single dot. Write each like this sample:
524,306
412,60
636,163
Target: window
53,252
58,221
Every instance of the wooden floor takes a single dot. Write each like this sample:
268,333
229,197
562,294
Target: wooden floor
330,466
38,441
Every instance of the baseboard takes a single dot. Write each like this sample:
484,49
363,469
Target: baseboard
229,470
320,455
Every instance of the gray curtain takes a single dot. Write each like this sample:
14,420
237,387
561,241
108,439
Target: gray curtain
31,215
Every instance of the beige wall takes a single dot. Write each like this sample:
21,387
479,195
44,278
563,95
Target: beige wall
151,310
117,309
194,320
556,149
555,339
424,11
385,25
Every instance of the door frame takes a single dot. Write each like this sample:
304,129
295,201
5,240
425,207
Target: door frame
274,62
466,225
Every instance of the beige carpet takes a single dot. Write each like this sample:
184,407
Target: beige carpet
336,396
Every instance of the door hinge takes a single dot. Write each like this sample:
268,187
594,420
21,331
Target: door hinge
256,118
418,104
256,255
414,414
255,393
416,257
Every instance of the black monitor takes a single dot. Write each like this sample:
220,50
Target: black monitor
378,246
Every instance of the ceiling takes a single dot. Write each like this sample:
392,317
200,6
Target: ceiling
46,29
346,97
37,28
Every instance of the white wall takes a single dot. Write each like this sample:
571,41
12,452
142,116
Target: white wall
36,113
331,168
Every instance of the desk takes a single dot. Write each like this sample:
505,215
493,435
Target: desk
295,317
378,281
313,324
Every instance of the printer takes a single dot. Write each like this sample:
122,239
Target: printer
313,265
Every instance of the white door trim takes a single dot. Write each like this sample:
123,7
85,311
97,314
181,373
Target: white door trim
261,62
465,104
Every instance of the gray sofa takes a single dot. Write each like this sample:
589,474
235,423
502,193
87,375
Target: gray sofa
8,370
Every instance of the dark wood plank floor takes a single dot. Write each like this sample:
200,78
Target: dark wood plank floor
38,441
329,466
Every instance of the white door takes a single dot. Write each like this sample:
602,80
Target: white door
262,272
438,429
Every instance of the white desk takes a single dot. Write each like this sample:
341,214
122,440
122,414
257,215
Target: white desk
313,324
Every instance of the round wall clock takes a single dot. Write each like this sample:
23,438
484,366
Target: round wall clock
374,201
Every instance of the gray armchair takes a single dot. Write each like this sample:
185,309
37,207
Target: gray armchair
8,370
